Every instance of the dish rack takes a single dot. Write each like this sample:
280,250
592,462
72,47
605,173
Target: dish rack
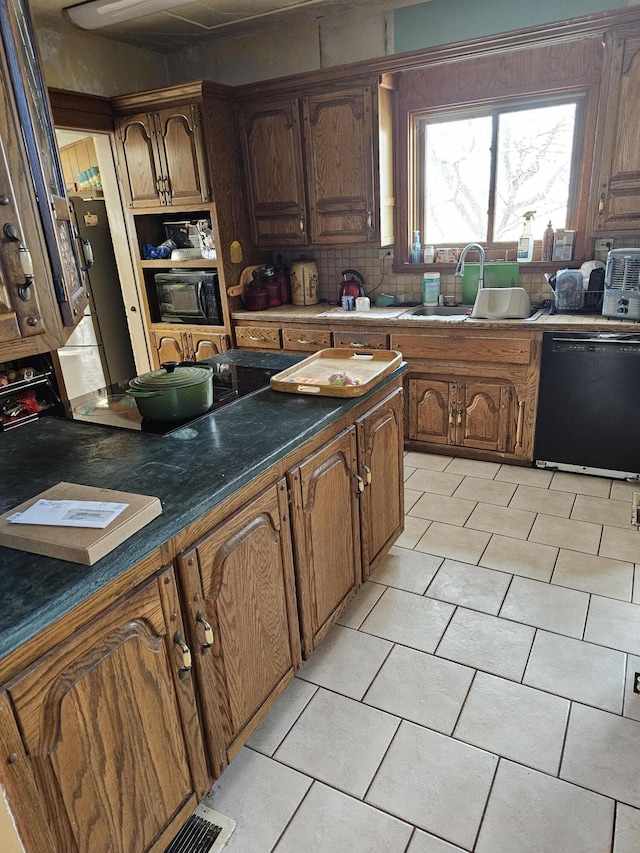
30,392
591,303
570,296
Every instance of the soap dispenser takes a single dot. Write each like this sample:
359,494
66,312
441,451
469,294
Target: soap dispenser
525,243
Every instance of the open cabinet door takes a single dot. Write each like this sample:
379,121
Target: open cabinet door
32,105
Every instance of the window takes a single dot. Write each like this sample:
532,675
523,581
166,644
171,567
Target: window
477,173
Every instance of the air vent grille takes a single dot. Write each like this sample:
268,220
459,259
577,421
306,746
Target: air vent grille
206,831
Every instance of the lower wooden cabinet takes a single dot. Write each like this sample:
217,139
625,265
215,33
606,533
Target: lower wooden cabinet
242,619
476,414
325,515
110,727
177,345
380,462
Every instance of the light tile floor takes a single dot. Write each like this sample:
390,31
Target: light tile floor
478,693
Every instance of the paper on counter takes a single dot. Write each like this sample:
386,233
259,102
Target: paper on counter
97,514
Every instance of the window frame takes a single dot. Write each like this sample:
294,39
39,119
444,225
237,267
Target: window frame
550,71
509,105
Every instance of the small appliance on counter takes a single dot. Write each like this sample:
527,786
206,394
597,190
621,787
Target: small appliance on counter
189,296
353,284
622,285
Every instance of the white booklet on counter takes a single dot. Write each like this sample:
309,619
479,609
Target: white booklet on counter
97,514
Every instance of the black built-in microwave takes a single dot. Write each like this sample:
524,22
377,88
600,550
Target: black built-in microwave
189,296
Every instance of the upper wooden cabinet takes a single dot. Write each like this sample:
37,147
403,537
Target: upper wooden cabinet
318,166
41,287
109,723
617,186
162,157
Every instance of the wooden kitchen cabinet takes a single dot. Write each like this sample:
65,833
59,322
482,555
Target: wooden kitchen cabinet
313,165
305,340
177,345
380,462
326,534
242,619
37,313
162,157
475,414
110,728
616,200
472,393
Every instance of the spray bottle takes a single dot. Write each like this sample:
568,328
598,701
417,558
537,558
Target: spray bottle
525,243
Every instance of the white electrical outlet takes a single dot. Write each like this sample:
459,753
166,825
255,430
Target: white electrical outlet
603,244
385,252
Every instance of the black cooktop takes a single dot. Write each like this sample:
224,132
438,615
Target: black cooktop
112,407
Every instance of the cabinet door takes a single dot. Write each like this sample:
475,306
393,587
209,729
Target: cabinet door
482,419
380,461
326,530
203,346
272,149
431,410
618,197
169,346
242,619
111,729
339,164
140,165
182,176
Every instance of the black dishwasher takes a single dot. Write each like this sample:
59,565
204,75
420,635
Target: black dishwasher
589,404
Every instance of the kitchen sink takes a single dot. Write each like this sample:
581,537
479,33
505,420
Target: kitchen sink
437,311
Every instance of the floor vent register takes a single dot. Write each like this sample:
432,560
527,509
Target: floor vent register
206,831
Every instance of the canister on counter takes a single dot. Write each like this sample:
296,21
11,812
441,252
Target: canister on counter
304,282
430,288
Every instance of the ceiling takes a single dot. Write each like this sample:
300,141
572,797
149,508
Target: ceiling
202,20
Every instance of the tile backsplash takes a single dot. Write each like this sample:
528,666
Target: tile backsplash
407,287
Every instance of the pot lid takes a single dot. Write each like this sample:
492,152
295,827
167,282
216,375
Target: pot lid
171,375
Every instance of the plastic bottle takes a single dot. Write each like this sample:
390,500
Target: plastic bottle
547,243
525,243
416,248
430,288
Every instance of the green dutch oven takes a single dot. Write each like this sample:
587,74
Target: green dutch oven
176,392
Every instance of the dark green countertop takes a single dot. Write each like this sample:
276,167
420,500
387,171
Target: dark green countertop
192,470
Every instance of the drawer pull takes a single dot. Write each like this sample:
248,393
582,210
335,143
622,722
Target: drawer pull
208,631
357,345
186,654
303,341
256,338
368,473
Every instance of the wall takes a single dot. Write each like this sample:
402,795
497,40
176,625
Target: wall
335,39
82,62
445,21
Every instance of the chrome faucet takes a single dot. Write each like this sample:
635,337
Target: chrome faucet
463,255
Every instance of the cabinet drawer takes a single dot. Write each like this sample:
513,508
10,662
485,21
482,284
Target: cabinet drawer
305,340
361,340
260,337
498,350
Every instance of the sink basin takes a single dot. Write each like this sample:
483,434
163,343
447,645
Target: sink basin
437,311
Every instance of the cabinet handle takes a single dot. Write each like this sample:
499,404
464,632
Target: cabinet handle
459,418
360,483
208,631
601,205
355,345
24,289
159,188
301,224
369,219
520,423
186,654
256,338
303,341
368,474
451,416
